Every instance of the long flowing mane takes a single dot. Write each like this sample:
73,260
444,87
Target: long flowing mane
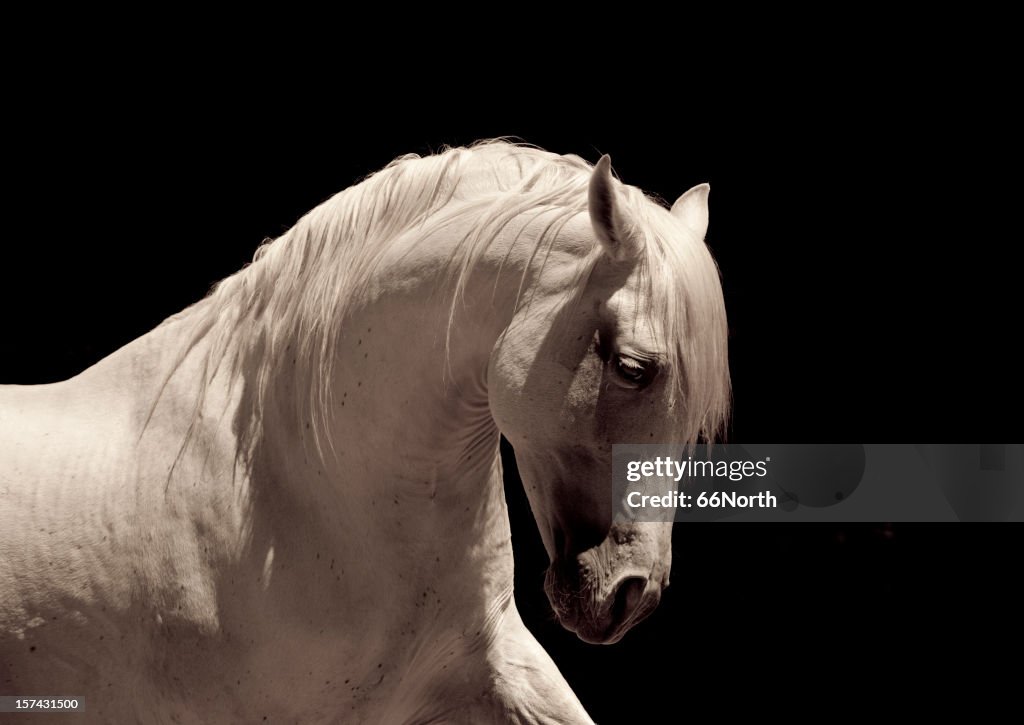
285,312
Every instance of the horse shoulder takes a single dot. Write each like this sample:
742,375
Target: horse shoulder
52,474
87,534
57,569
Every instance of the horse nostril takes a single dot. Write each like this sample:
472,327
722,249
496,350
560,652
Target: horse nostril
628,597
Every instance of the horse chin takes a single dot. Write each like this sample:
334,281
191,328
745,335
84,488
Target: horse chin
598,633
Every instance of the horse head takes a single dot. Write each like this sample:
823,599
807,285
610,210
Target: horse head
622,340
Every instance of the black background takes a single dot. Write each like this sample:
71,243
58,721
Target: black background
866,304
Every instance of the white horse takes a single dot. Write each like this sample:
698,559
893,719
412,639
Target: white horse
285,503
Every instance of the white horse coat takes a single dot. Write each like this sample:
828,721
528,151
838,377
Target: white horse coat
285,503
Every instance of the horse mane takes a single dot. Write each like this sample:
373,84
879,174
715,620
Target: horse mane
286,308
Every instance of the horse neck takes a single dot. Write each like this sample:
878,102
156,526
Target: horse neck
410,473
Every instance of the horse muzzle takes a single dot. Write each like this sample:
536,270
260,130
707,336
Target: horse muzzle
603,592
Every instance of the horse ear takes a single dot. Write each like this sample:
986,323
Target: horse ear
692,209
612,229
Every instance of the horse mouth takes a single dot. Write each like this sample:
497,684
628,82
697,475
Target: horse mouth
598,615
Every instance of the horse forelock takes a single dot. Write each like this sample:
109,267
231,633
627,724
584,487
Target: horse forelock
684,298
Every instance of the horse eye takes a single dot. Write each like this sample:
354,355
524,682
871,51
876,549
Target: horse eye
631,370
